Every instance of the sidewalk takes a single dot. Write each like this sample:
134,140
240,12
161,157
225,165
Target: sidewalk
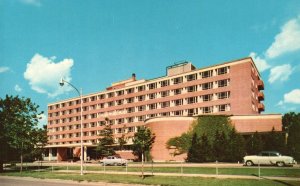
222,176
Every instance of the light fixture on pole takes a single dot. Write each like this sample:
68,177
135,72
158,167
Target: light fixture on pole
61,83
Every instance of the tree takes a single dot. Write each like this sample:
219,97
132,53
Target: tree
193,154
236,146
274,141
180,144
104,147
254,144
142,143
19,119
292,121
220,146
122,141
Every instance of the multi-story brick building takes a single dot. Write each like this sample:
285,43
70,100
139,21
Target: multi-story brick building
166,104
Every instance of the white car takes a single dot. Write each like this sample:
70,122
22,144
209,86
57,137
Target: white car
113,160
269,158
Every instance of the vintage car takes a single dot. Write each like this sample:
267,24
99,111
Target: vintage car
113,160
269,158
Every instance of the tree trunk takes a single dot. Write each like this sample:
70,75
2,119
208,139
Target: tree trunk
143,165
1,165
21,168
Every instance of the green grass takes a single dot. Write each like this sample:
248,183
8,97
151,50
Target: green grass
265,171
153,180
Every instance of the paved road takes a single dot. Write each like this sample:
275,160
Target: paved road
22,181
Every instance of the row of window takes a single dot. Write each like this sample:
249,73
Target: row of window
188,112
154,85
165,104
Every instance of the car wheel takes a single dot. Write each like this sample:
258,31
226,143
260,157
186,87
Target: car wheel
280,164
249,163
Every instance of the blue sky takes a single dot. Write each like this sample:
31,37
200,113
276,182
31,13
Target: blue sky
93,43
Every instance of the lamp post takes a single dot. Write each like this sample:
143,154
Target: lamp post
61,83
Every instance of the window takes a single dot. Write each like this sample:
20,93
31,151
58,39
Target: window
223,108
223,95
192,112
177,91
206,86
165,104
130,109
120,121
165,93
192,88
152,96
152,106
223,70
191,77
102,96
207,97
141,118
178,112
152,86
130,129
141,108
178,102
130,100
165,114
93,98
141,88
206,110
85,100
223,83
164,83
141,98
130,90
120,102
120,92
130,120
177,80
152,115
192,100
207,74
111,103
111,94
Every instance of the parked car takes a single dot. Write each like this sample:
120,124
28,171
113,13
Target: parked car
113,160
269,158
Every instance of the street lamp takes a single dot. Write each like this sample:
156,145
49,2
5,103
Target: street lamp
61,83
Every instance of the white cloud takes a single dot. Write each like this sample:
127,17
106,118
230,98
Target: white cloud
260,63
18,88
44,74
280,73
292,97
32,2
288,40
4,69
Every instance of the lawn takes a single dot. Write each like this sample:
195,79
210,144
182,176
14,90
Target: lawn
151,180
264,171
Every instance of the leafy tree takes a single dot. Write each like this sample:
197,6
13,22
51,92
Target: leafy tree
18,123
104,147
122,142
220,146
180,144
255,144
193,154
292,120
142,143
236,146
274,141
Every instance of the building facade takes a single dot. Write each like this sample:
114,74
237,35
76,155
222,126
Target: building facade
231,88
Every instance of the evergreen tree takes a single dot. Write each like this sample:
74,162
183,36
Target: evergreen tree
220,146
236,146
255,144
105,145
274,141
193,154
205,151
